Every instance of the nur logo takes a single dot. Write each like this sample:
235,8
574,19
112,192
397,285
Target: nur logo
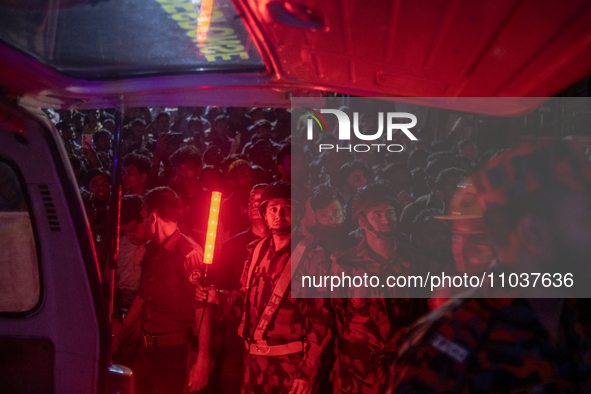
344,131
315,115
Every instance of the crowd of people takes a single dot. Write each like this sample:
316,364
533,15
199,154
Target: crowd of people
441,204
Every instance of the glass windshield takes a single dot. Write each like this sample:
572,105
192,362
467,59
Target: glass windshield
111,39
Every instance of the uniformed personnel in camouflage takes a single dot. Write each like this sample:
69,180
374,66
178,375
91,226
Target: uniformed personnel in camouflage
285,337
536,205
494,346
371,319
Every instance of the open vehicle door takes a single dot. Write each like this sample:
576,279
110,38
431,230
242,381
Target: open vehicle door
54,332
97,54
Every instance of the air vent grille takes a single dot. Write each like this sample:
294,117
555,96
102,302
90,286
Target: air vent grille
50,212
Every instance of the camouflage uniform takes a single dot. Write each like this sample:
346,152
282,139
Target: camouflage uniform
499,345
494,346
296,320
367,319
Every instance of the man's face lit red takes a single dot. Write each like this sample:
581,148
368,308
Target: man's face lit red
187,173
103,143
134,232
132,179
68,132
278,213
93,114
78,122
333,215
148,223
254,202
264,131
100,187
382,217
244,178
138,130
357,179
163,124
221,127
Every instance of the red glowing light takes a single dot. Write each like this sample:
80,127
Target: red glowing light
212,226
204,20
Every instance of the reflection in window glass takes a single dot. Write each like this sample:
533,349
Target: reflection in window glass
19,272
122,38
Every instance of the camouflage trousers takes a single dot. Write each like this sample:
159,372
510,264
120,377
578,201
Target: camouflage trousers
270,374
351,376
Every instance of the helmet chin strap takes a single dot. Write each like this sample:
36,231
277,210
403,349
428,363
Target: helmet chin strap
379,234
281,231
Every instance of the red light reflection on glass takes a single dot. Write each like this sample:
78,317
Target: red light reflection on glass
204,20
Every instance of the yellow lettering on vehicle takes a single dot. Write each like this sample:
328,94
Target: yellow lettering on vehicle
226,40
216,16
185,16
172,9
225,48
225,31
188,25
209,45
214,37
226,56
221,43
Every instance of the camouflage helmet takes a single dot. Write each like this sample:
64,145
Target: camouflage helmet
275,190
374,193
464,204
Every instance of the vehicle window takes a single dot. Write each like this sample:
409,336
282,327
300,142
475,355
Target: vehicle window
101,39
19,271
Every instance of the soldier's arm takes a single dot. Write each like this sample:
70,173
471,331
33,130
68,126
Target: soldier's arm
129,327
199,372
198,375
230,304
203,326
134,312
